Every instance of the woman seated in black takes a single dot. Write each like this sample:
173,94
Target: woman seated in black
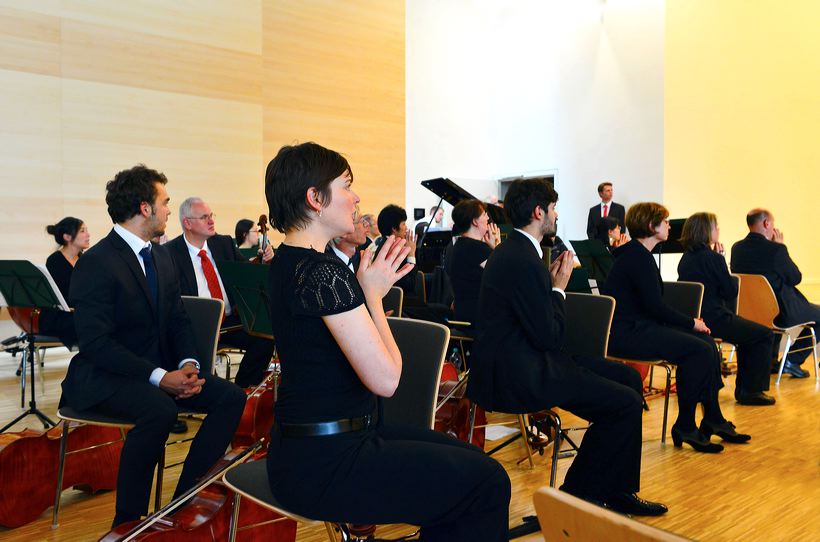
477,239
73,237
644,327
329,458
609,233
703,262
246,234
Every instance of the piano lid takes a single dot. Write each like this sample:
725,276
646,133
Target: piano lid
453,194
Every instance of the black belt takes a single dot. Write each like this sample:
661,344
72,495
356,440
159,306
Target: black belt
322,429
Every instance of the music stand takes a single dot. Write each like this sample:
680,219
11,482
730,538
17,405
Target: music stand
24,285
594,258
248,284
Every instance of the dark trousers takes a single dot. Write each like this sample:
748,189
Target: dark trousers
695,355
809,313
754,347
154,412
393,475
258,354
608,395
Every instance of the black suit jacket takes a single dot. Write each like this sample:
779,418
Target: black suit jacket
616,211
520,333
123,334
355,260
706,266
222,249
756,255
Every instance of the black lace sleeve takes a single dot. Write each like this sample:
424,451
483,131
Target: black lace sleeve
325,287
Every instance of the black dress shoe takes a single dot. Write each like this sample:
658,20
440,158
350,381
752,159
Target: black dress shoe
725,430
630,503
795,370
180,427
696,439
755,399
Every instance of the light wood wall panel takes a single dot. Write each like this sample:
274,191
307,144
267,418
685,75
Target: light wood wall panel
203,91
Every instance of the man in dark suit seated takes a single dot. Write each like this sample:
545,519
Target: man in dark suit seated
347,247
763,252
607,207
196,252
519,364
137,359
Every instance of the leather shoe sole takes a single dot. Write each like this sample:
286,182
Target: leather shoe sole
755,399
630,503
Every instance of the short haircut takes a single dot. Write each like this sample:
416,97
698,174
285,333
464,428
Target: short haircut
390,218
603,185
756,215
464,213
129,189
606,225
643,218
697,230
241,230
293,171
370,219
69,225
185,208
435,209
524,195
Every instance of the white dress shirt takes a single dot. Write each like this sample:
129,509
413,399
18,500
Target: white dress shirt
342,256
202,289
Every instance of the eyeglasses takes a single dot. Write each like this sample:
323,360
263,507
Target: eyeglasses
203,217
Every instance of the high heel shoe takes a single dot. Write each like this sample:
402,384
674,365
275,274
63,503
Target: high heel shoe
696,440
725,430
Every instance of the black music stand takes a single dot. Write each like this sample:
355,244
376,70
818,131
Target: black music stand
24,285
594,258
249,285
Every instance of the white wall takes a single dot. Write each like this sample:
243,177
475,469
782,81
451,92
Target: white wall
496,89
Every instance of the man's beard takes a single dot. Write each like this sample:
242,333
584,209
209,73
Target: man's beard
153,227
549,229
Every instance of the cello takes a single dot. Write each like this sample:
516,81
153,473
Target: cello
263,244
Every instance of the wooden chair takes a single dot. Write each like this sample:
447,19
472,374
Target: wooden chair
758,303
687,298
423,346
563,517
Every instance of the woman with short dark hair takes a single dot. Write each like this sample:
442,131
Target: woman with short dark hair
645,327
71,235
330,457
703,262
245,234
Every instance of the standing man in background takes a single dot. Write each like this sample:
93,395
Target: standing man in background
607,207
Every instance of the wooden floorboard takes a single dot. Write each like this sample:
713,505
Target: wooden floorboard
766,490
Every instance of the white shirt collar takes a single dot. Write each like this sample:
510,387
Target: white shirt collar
342,256
608,204
193,251
133,241
535,243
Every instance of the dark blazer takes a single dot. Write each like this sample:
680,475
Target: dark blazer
356,259
616,211
222,248
520,333
635,283
706,266
123,334
756,255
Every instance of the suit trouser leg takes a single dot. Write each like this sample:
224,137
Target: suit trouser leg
609,458
754,346
223,402
394,475
694,354
153,412
258,354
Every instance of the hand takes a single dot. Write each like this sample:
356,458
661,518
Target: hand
777,236
410,238
378,274
718,247
266,253
620,240
182,383
700,327
561,269
493,235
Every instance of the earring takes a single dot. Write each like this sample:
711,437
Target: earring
320,213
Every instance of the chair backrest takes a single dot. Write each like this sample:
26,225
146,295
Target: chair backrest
421,287
567,518
440,290
393,301
685,297
589,318
756,300
206,316
423,346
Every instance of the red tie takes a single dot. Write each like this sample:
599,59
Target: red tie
210,276
605,213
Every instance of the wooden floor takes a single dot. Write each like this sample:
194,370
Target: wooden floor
766,490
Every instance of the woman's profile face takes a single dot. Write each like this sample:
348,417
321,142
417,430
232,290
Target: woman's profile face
339,214
662,230
83,239
483,223
715,234
615,232
253,236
